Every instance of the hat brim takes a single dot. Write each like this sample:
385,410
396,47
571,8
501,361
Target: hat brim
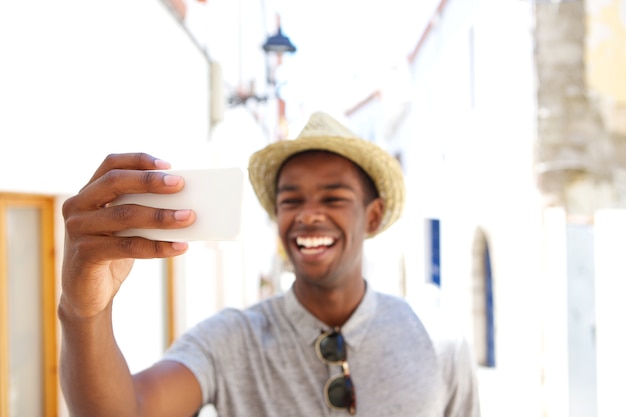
382,168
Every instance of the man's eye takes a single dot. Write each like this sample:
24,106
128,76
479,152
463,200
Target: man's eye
288,202
334,200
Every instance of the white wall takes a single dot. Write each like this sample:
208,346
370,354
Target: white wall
610,238
80,80
469,163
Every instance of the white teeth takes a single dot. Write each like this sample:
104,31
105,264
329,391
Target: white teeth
314,242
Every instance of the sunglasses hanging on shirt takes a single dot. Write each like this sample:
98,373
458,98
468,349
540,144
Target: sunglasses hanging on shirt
339,393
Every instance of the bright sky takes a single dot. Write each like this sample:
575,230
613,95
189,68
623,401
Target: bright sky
344,47
349,44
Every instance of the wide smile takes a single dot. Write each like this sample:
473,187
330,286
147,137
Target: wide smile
314,245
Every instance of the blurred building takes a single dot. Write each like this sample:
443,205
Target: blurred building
508,118
82,80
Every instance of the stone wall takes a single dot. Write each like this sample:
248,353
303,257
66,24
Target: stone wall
577,161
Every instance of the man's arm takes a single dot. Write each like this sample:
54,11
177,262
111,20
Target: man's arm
95,378
97,382
459,373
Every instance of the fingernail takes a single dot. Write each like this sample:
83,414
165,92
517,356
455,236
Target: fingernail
161,164
179,246
171,179
182,214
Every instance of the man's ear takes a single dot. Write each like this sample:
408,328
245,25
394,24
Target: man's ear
374,213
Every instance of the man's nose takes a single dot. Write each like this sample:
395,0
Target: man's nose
310,214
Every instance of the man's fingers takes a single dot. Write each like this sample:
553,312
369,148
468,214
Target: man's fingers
109,220
114,183
140,161
106,248
92,223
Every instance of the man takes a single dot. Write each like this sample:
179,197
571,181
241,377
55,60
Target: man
330,346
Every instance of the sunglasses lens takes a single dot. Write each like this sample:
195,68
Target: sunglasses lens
332,348
341,392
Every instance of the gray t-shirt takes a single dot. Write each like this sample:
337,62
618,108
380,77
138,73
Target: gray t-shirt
261,361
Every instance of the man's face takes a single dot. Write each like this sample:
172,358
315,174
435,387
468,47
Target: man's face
323,217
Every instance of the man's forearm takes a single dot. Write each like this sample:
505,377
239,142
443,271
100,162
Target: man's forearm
95,378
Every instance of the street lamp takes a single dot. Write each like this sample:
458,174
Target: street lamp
278,43
274,47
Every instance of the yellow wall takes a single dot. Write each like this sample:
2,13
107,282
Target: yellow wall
606,48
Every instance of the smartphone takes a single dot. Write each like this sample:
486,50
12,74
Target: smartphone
214,194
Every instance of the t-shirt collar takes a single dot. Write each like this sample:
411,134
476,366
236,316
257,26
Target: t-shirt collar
309,327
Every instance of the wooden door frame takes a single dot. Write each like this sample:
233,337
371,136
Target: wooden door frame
48,301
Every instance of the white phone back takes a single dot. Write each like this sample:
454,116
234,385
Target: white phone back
214,194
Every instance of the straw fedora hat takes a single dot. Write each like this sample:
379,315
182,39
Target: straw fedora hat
324,133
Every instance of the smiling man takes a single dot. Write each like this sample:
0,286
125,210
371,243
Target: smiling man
323,217
331,345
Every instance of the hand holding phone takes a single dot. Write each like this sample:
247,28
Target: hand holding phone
214,194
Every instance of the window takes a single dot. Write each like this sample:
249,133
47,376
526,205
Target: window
433,251
483,302
28,361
